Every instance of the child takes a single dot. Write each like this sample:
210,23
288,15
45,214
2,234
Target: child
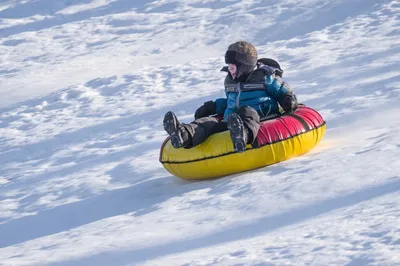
253,90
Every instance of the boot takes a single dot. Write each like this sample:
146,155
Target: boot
238,132
178,133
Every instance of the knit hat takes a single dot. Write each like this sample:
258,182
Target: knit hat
243,55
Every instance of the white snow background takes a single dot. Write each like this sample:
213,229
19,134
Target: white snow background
84,86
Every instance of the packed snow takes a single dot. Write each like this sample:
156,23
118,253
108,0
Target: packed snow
84,87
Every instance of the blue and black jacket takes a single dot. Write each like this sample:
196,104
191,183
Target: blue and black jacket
263,90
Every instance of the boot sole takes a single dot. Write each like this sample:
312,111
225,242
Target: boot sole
171,125
236,129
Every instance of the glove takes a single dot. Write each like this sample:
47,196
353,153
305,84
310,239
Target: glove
289,103
208,108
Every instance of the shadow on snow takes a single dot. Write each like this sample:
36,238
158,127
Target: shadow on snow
241,232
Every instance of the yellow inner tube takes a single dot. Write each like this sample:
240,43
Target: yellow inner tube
216,157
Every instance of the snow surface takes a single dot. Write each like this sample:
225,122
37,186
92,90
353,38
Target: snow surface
85,84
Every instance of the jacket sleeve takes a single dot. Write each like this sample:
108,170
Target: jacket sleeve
281,92
220,105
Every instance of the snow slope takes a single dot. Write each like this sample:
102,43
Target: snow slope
85,84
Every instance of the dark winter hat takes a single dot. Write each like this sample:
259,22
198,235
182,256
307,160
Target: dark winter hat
243,55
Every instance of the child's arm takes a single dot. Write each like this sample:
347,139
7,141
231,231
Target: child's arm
221,104
211,108
281,91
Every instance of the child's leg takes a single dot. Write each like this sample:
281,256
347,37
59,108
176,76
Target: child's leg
202,128
192,134
251,121
243,127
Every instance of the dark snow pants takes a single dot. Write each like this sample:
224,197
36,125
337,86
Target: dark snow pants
200,129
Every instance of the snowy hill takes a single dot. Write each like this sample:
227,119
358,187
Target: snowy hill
84,86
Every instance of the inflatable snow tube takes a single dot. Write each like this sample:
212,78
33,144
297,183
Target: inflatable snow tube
279,139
